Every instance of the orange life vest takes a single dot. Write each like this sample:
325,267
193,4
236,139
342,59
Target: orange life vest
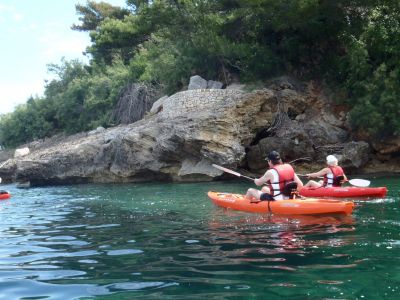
284,174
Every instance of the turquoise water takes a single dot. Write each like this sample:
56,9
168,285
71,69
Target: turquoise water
168,241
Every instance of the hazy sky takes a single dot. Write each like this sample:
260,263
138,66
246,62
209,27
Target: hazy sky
34,33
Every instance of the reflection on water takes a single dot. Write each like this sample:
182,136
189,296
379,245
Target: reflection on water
170,242
283,233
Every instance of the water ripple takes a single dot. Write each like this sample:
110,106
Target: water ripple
169,242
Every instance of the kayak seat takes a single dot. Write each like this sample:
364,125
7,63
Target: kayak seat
290,189
338,180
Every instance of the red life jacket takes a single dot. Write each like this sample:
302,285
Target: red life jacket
335,178
284,174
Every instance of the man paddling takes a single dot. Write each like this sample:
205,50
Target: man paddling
280,178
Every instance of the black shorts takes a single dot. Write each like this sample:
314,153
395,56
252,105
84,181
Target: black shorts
266,197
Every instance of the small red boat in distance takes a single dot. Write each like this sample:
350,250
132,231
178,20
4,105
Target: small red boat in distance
4,195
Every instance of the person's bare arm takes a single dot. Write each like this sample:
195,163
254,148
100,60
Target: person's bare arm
320,173
298,181
264,179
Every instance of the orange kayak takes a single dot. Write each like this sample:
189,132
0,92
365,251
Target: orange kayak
344,192
307,206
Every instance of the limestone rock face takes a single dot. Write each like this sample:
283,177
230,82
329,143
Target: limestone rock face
387,146
303,124
193,130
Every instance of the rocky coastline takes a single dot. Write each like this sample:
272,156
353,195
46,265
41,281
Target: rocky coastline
185,133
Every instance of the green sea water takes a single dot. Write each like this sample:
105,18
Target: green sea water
168,241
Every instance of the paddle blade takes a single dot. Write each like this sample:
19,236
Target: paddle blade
231,172
226,170
360,182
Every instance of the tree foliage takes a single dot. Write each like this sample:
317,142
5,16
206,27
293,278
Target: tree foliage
373,72
351,44
94,13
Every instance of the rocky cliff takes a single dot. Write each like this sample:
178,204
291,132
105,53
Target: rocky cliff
189,131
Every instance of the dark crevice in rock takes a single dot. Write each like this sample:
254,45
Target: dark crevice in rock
292,114
263,133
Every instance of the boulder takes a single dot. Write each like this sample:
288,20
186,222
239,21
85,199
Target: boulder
211,84
197,82
21,152
355,154
387,145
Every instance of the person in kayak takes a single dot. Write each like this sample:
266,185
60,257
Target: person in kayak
333,175
280,179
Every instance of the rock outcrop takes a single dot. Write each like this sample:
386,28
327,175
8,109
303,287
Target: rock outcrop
191,130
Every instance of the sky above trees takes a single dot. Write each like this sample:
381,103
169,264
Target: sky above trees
34,34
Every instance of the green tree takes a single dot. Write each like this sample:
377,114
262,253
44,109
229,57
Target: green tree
25,124
372,72
93,13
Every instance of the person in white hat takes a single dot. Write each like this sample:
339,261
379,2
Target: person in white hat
333,175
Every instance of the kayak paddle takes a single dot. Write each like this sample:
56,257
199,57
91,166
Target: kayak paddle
360,182
356,182
231,172
301,158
